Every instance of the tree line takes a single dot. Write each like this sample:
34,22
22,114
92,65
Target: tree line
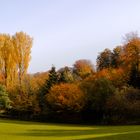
108,92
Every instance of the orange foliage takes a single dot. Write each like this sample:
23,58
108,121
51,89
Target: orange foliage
66,97
118,76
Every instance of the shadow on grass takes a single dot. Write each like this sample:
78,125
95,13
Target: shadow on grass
57,133
91,133
128,136
96,133
14,121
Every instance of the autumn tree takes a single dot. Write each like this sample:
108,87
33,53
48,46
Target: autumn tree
117,76
65,75
14,61
14,56
83,68
38,80
131,59
104,59
65,98
7,62
116,57
22,47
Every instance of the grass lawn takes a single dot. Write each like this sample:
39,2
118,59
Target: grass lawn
20,130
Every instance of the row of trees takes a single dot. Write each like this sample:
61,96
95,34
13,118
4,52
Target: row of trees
109,93
126,57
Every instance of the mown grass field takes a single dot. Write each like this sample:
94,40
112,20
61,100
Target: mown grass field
20,130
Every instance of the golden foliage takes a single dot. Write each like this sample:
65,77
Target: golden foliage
14,56
83,68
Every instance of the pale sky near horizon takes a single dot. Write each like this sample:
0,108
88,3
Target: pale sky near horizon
67,30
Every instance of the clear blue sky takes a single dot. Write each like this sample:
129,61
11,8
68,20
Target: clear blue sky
67,30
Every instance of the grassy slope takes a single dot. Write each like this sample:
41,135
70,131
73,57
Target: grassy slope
19,130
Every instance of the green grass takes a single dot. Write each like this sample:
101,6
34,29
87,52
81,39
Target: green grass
20,130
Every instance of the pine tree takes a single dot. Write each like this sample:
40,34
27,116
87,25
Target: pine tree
52,80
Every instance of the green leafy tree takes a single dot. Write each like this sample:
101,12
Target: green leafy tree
4,99
97,92
124,105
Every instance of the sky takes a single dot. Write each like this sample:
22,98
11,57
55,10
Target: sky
64,31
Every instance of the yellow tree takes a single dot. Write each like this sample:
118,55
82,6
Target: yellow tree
6,52
22,47
83,68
